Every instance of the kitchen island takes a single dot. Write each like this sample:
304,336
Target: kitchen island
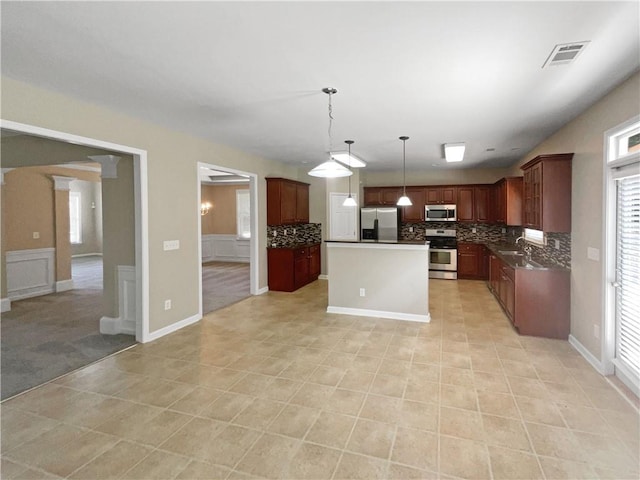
379,279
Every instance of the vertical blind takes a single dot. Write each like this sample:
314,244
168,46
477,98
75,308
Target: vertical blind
628,274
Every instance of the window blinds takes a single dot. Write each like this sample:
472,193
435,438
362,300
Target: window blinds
628,274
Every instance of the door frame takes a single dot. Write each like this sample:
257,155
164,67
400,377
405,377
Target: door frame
141,209
254,288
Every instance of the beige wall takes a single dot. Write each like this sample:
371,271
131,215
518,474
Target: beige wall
585,137
172,185
222,217
434,177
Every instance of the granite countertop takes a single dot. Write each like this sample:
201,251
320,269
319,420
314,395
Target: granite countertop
518,261
386,242
294,245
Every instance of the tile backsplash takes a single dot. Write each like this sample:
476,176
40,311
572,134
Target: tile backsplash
495,234
290,235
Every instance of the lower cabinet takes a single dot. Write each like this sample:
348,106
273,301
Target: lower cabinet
472,261
536,301
292,268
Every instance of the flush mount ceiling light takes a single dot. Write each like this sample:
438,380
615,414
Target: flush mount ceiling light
454,152
349,201
330,168
404,201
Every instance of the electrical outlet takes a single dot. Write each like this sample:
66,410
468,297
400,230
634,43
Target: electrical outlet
167,304
593,254
504,230
171,244
596,330
474,230
275,233
36,235
362,292
285,231
410,229
557,244
294,231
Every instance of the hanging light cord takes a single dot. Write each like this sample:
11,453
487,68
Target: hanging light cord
330,123
349,144
404,168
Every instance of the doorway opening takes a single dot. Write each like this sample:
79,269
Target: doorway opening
56,278
227,236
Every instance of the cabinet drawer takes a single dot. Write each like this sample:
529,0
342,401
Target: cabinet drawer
467,247
509,272
313,249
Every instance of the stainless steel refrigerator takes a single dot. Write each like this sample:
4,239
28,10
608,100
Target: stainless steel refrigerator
379,223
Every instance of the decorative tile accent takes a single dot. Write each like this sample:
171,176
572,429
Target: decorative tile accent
485,233
295,234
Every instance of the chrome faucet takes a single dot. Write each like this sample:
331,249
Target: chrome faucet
519,238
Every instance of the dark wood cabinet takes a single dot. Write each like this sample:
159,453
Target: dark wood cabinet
472,261
440,195
292,268
374,196
414,212
287,201
481,203
536,301
547,193
465,206
507,201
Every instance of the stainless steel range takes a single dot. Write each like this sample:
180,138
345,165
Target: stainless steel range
443,253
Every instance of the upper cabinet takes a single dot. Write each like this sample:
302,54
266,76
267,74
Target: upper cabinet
287,201
374,196
414,212
507,201
440,195
547,193
473,203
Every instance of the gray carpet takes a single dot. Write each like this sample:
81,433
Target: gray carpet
48,336
224,283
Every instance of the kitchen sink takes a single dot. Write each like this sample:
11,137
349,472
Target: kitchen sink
528,263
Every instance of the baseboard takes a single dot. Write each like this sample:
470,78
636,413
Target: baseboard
171,328
64,285
86,255
323,277
262,290
5,305
117,326
588,356
380,314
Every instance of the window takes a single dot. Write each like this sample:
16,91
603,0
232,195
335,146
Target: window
536,237
243,213
625,144
75,218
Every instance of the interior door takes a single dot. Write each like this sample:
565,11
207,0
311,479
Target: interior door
343,221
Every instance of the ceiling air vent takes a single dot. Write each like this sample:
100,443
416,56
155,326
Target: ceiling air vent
565,53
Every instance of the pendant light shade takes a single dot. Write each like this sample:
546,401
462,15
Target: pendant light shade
349,201
330,168
404,201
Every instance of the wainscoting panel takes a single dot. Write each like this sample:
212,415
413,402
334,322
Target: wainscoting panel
30,273
126,320
224,248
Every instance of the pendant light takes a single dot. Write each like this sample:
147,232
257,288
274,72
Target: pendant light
330,168
404,201
349,201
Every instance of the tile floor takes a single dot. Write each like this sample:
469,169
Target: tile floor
273,387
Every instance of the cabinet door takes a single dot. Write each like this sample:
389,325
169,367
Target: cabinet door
415,212
468,260
481,204
536,196
372,196
499,203
301,268
288,199
302,204
465,204
314,262
494,273
390,196
483,265
433,196
510,297
448,195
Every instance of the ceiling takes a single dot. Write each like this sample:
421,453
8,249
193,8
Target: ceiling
250,74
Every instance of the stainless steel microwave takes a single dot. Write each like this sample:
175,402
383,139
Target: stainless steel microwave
440,213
